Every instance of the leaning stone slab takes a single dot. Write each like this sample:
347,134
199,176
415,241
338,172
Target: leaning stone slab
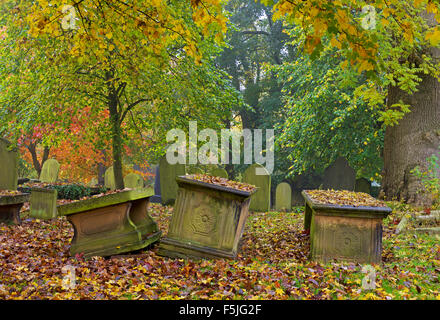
339,176
426,224
207,222
260,201
345,233
133,181
10,207
283,197
49,171
43,203
8,166
111,224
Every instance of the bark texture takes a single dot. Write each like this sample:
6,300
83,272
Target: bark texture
408,144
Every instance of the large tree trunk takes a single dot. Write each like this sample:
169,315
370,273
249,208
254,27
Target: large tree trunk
116,143
408,144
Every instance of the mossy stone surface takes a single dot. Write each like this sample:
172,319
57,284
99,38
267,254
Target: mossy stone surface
133,181
103,201
283,197
43,203
260,200
8,166
49,171
109,178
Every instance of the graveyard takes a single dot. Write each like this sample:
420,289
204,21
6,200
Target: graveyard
219,150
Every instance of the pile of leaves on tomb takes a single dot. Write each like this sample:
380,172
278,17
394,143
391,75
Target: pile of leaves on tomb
272,264
344,198
7,193
222,182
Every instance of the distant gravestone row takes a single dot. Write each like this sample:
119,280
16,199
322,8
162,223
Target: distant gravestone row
131,180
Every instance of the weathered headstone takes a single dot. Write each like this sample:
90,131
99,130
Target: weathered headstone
168,184
109,179
363,185
339,176
260,200
49,171
283,197
8,166
219,172
133,181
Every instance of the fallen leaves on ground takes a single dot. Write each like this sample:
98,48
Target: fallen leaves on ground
344,198
222,182
272,264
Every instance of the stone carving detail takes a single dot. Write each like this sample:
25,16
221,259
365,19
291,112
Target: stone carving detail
347,242
203,220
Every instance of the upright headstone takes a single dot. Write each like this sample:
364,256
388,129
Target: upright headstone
195,170
109,179
258,176
363,185
168,184
339,176
133,181
157,197
283,197
8,166
219,172
49,171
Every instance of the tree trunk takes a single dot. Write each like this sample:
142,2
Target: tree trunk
408,144
32,147
116,142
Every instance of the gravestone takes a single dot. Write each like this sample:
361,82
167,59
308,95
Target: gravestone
362,185
283,197
168,184
109,179
219,172
260,200
339,176
49,171
8,166
157,197
93,182
133,181
195,170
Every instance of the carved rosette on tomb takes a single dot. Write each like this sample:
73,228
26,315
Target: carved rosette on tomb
207,222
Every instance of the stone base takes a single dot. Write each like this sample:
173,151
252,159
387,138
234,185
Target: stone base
176,249
106,230
10,213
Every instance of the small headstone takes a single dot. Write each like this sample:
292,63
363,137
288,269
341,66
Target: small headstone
8,166
49,171
93,182
260,200
339,176
133,181
219,172
363,185
168,184
283,197
109,179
